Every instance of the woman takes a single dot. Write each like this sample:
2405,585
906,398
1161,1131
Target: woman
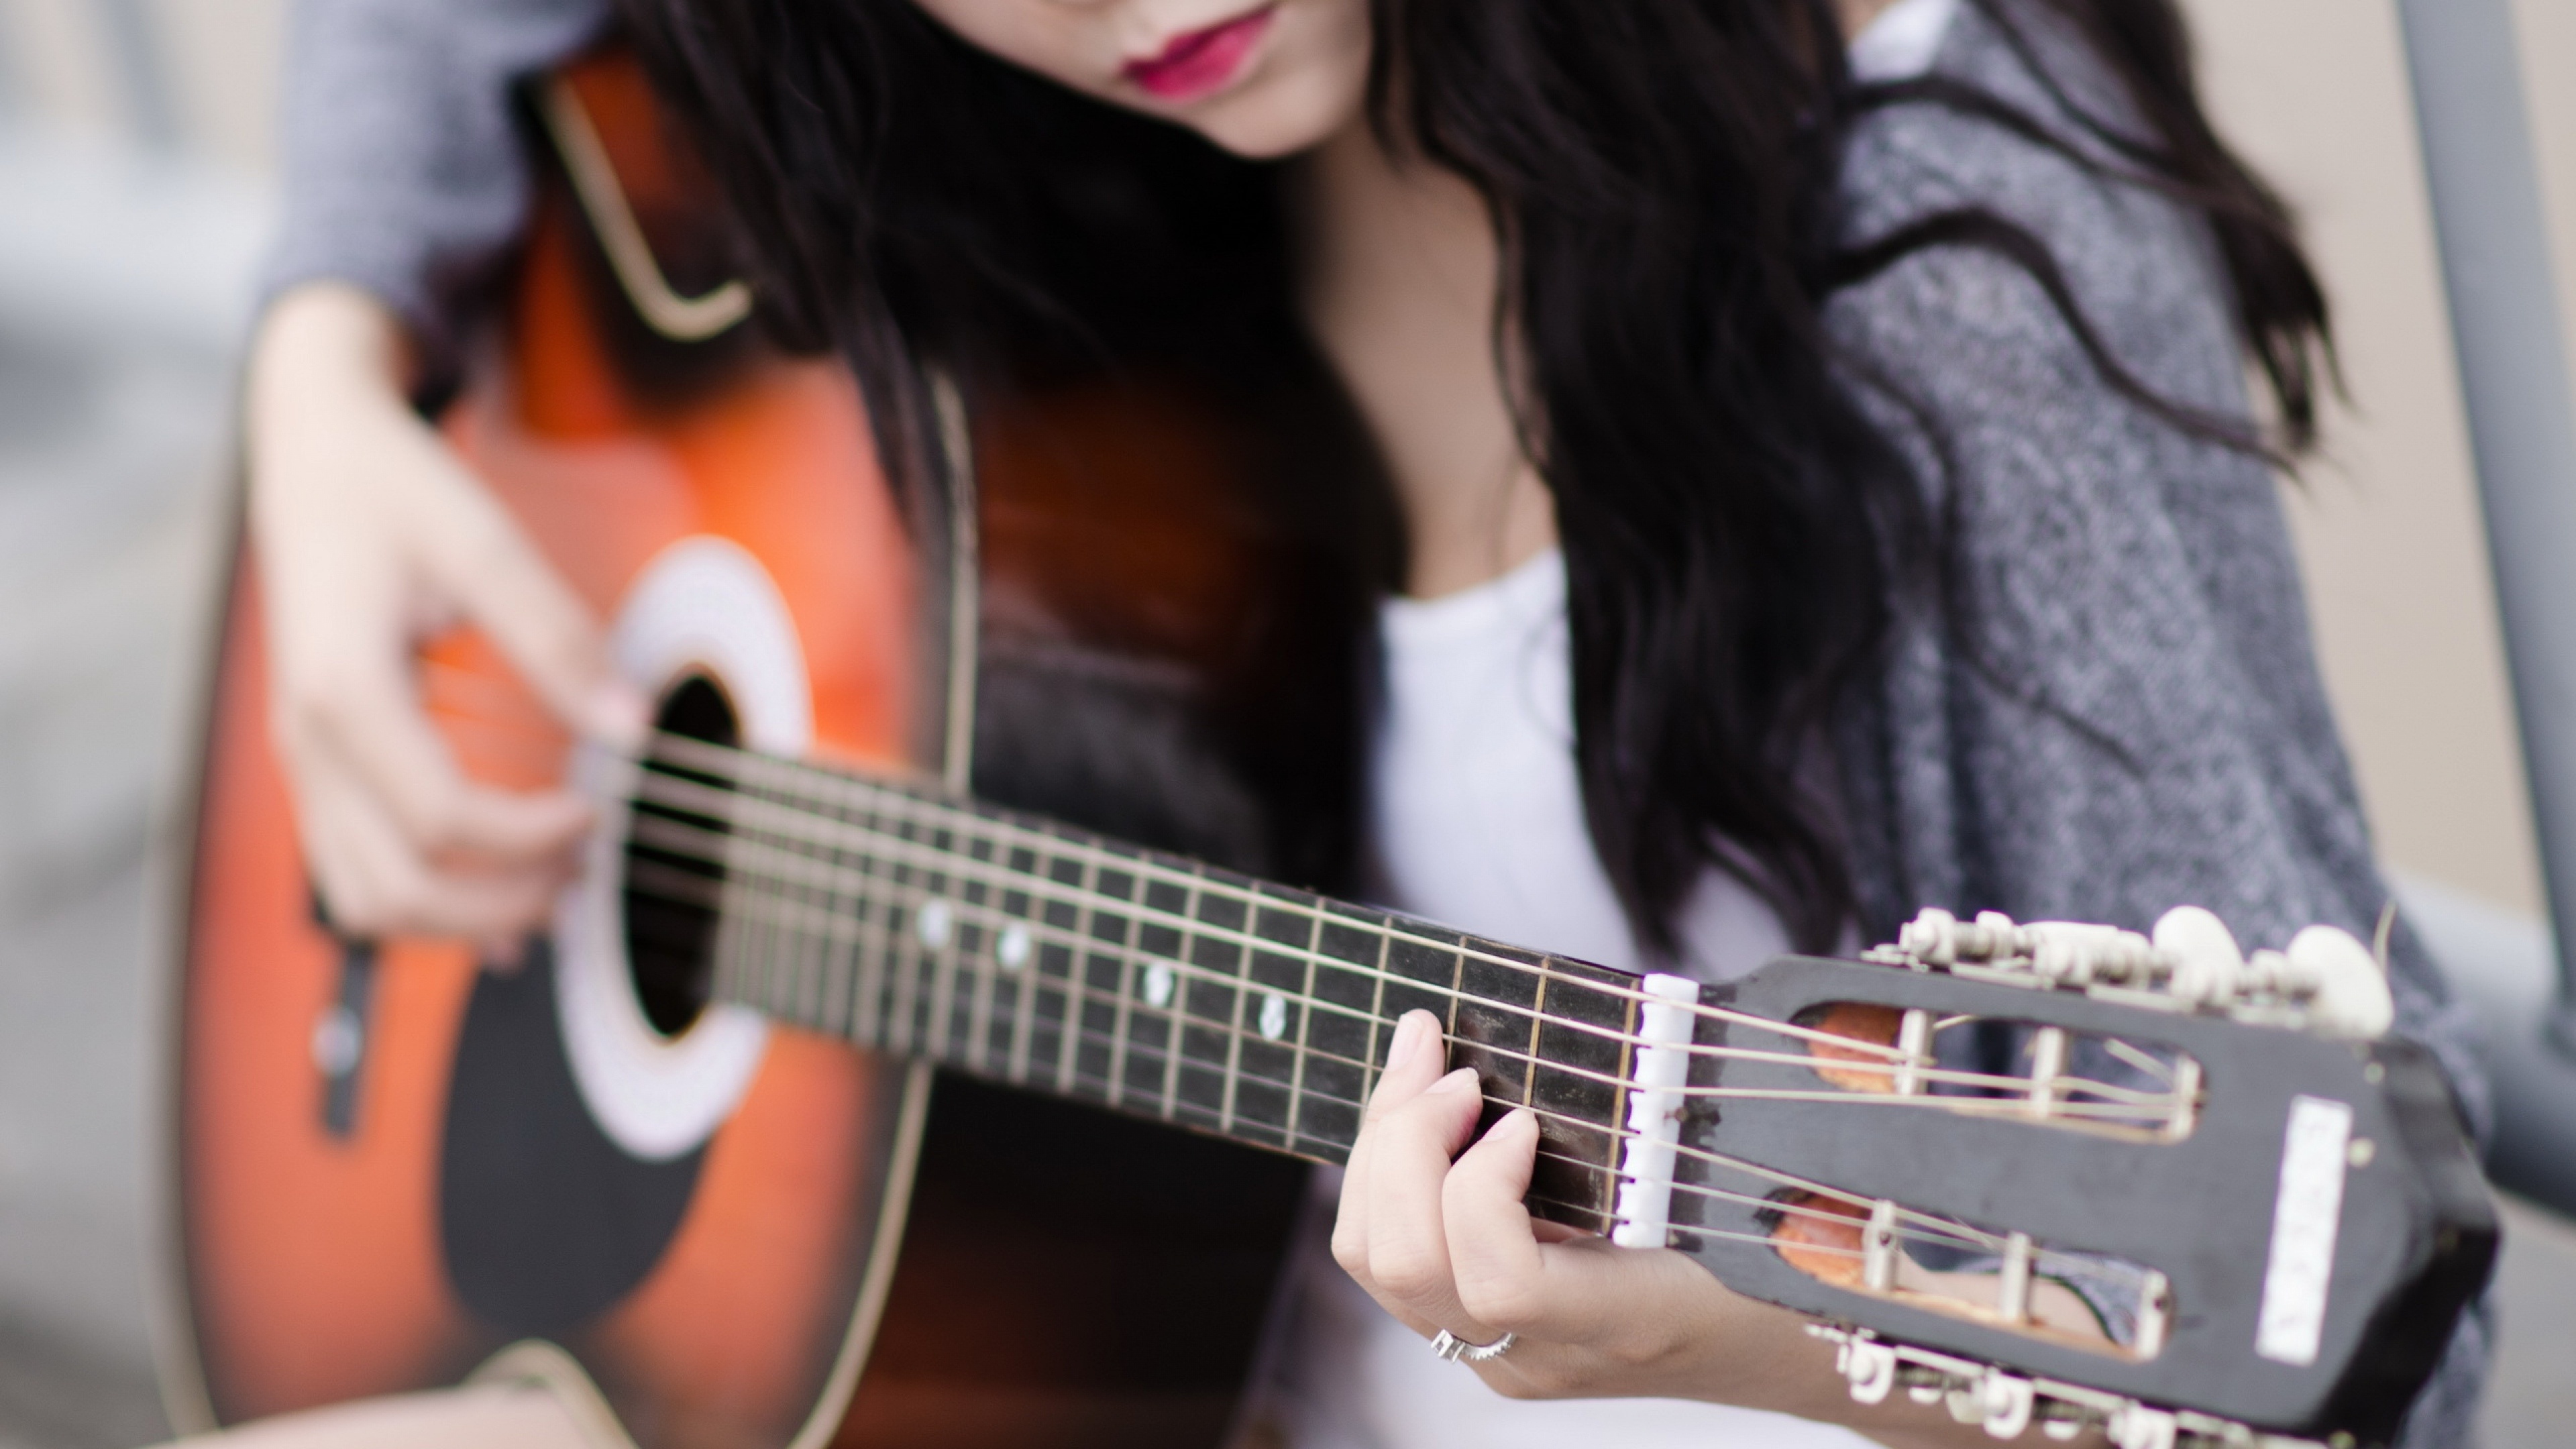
1825,484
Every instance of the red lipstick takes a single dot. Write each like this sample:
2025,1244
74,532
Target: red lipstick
1201,62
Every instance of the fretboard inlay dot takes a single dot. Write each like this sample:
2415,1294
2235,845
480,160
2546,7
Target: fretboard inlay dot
934,924
1158,985
1012,951
1274,1016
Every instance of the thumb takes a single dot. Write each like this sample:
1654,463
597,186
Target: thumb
488,567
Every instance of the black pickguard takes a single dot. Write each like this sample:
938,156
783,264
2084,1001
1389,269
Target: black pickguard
544,1220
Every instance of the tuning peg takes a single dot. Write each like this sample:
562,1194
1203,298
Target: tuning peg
1931,937
2208,965
2079,954
2349,997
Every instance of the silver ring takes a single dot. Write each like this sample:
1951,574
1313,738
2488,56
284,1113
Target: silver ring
1453,1349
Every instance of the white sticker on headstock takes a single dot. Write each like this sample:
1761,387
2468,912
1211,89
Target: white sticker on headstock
2305,1220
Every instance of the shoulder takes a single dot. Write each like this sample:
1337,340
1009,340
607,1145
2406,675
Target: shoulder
2143,268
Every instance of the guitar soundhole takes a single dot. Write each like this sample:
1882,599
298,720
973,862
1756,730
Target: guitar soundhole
674,868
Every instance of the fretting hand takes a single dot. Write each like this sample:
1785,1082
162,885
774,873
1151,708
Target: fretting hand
370,536
1445,1244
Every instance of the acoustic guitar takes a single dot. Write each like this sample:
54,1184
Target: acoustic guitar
843,1105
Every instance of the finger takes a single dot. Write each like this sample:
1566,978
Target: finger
1407,1248
370,732
1413,1062
1506,1274
480,559
1494,1256
376,883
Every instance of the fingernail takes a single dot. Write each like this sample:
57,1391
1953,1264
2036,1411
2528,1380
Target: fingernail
1408,1042
619,715
1461,1080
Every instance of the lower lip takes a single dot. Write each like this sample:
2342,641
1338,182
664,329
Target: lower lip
1200,65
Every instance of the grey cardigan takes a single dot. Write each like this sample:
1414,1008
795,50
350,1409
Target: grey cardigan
2119,712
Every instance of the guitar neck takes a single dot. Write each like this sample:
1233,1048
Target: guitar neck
1033,954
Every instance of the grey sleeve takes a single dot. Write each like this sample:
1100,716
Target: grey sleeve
402,170
2104,703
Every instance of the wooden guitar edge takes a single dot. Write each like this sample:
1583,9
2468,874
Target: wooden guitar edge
869,1311
170,883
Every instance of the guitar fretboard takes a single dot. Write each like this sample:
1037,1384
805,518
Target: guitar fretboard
1033,954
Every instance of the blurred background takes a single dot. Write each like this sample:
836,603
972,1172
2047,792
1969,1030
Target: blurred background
135,189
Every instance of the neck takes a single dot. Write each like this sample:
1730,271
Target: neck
1401,278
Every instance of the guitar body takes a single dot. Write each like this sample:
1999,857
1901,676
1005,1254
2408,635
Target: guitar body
395,1163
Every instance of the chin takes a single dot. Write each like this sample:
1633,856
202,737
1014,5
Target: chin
1284,116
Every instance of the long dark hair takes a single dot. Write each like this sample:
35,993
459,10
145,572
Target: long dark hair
1663,175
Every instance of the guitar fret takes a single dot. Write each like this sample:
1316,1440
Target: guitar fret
867,1016
1024,986
978,938
939,1030
746,919
1258,1110
1177,1040
1377,1013
767,929
1305,1020
1069,1044
841,898
810,947
1123,1008
1207,1012
1232,1080
1538,1019
900,955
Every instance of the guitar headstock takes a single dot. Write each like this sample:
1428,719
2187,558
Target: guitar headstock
2068,1176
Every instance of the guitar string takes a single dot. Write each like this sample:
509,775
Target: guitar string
1913,1226
2044,1262
1202,928
2149,1110
2142,1107
779,908
2130,1100
939,862
802,818
1148,1049
1931,1230
829,875
1917,1227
